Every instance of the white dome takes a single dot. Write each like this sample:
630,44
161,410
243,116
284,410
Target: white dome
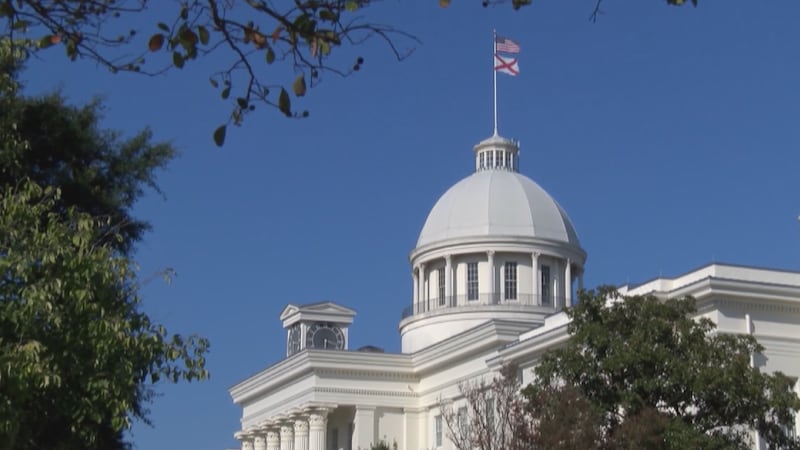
497,203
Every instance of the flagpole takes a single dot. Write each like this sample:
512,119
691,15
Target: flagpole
494,80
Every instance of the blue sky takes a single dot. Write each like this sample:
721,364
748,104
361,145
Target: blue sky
669,135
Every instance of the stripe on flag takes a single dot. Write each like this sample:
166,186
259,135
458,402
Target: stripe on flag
505,45
506,64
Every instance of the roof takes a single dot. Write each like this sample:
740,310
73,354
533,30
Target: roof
497,203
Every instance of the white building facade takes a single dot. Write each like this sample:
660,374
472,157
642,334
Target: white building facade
495,264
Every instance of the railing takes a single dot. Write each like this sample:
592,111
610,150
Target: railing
493,298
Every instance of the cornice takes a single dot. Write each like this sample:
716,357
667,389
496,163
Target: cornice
464,311
489,335
366,392
538,343
293,405
483,243
368,365
277,374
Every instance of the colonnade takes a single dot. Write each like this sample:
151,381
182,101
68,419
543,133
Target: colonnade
301,430
421,294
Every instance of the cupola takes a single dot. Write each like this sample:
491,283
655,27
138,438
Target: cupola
494,246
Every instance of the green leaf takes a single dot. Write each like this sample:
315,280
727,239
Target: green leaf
328,15
46,41
178,60
21,25
324,47
299,85
203,34
351,6
242,102
213,82
219,135
164,27
284,104
270,55
226,92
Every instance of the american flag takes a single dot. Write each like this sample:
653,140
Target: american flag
505,45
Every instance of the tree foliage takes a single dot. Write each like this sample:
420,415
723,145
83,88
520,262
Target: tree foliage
637,372
77,355
79,359
96,171
253,35
648,364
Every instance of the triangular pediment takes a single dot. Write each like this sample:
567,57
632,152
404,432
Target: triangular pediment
288,311
328,307
326,311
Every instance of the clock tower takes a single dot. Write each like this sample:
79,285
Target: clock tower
319,326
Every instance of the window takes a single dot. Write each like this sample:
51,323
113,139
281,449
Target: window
437,431
489,407
472,281
480,159
489,159
546,285
508,160
441,286
510,281
463,423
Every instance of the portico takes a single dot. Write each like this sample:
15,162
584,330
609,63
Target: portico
303,428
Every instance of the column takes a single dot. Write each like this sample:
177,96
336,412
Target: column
364,432
492,284
317,424
413,429
300,434
287,436
423,299
568,284
273,440
537,279
415,289
448,280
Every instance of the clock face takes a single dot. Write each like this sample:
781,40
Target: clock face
324,336
293,342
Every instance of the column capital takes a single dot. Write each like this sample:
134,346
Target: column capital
317,420
259,442
536,254
300,425
490,252
273,440
448,258
246,438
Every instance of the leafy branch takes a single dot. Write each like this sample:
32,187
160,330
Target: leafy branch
303,34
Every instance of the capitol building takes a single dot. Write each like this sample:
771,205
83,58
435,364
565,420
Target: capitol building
495,264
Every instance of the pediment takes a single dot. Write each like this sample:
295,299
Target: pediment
328,307
326,311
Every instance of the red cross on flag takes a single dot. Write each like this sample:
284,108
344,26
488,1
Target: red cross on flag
506,64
